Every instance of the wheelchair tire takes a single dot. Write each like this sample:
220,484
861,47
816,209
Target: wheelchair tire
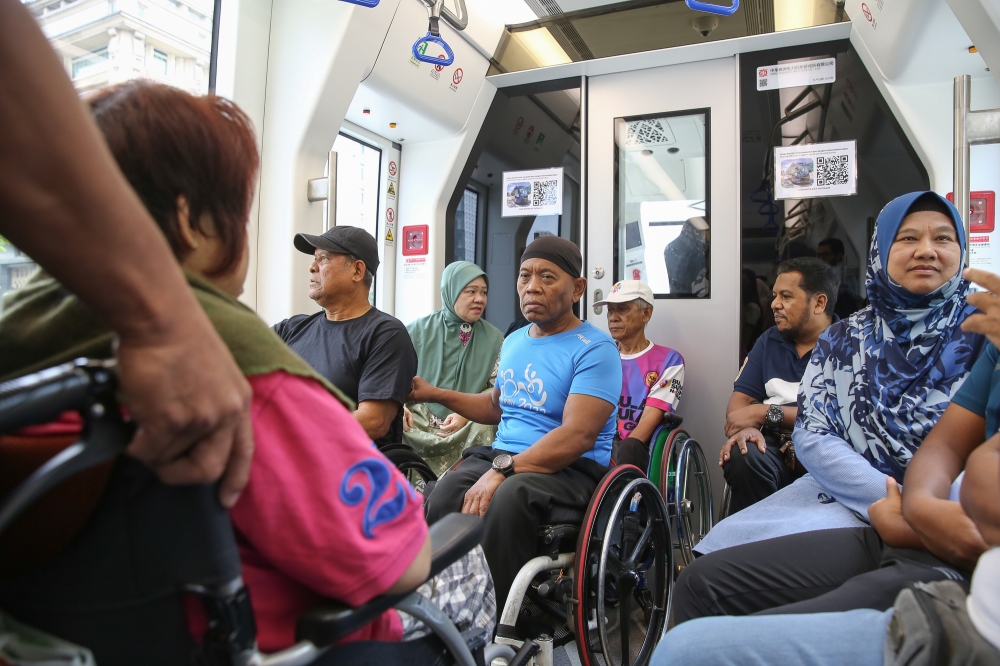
693,510
413,467
623,571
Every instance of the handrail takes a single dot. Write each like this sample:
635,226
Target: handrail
434,35
713,9
459,22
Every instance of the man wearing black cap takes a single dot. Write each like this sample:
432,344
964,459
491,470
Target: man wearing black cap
365,353
555,397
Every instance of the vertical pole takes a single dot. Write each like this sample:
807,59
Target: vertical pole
960,165
584,130
331,197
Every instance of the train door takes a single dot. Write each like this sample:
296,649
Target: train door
661,162
367,180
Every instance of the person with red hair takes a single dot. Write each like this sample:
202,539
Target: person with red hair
303,526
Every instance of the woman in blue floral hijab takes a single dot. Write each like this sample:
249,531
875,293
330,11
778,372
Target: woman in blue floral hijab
878,381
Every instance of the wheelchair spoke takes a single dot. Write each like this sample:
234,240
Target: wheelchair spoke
641,543
624,620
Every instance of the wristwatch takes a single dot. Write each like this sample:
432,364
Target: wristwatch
504,463
775,415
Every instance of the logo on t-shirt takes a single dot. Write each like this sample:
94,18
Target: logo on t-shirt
379,479
585,340
534,390
651,377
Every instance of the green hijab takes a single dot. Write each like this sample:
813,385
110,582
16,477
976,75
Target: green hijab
442,359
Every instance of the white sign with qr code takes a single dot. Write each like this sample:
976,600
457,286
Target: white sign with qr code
793,74
816,170
535,192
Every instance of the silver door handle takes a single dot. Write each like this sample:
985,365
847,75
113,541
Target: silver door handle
598,296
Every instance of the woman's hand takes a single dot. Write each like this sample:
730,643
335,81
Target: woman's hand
451,425
986,322
407,419
886,516
421,391
479,496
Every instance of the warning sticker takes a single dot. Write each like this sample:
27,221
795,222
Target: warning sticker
391,192
392,168
389,238
390,215
456,78
415,268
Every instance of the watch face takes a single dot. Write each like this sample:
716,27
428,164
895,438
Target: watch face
502,461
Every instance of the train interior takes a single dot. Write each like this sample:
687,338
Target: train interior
652,121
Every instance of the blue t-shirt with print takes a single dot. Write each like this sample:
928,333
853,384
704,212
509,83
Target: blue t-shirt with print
537,375
980,393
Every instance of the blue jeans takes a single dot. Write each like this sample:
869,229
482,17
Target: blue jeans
852,638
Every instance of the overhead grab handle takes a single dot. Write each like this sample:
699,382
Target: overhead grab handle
459,22
712,9
370,4
433,36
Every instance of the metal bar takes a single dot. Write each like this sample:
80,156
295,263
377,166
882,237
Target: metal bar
584,140
331,198
982,127
960,162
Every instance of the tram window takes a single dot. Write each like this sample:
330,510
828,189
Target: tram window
662,220
15,268
358,169
466,217
149,32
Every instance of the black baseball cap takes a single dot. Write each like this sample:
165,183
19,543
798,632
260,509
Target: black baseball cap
342,240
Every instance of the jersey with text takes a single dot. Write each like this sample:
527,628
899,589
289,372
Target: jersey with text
653,377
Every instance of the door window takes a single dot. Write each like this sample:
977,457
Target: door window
662,220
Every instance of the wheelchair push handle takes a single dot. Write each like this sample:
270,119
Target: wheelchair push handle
85,386
41,397
710,8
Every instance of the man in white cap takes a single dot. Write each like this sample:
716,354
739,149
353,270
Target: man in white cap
652,375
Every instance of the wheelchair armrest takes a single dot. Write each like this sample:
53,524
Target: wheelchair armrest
451,538
672,420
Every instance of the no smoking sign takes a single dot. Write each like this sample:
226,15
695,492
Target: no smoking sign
392,168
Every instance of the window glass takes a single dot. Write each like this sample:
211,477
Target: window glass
103,43
465,226
358,169
15,268
357,184
662,218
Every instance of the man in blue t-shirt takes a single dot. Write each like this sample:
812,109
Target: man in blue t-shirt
763,405
554,399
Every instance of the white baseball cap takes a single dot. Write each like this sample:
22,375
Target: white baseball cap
628,290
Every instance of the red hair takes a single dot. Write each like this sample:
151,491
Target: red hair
170,143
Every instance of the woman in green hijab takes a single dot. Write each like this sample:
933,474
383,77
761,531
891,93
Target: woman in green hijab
456,349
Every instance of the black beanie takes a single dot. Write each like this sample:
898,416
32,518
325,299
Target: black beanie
561,252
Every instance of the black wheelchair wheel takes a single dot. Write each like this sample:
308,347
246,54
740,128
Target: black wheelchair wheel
692,499
413,467
623,571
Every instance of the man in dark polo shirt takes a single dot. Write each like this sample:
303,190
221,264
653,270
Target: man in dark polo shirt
764,402
364,352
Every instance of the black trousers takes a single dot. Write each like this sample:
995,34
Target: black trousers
519,507
756,475
812,572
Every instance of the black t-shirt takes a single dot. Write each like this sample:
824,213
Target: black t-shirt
370,357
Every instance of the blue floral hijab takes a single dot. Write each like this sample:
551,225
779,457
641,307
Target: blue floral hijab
882,378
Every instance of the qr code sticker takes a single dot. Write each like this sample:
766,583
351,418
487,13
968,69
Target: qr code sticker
544,192
832,170
762,83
